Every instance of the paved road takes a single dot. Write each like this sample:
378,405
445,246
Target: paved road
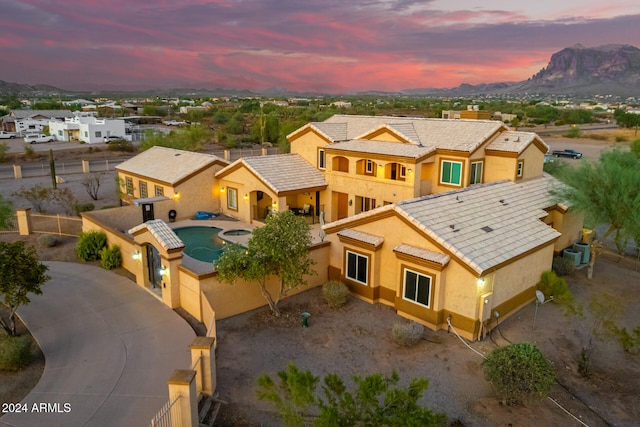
109,348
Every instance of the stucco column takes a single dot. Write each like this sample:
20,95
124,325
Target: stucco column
182,386
17,171
86,168
24,221
227,155
264,151
203,360
171,280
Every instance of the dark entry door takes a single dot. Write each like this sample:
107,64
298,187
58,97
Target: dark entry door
153,266
147,212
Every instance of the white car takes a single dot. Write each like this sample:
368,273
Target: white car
174,123
7,135
36,138
111,138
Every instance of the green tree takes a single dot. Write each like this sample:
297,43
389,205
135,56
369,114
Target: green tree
6,212
606,192
628,120
519,373
21,273
38,195
376,401
279,248
52,169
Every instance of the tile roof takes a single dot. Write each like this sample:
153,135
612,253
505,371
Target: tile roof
513,141
380,147
282,172
422,253
461,135
487,224
161,231
168,164
361,236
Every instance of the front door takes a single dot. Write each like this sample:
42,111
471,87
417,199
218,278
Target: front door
147,212
153,266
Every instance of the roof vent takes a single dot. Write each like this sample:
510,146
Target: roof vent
452,226
506,139
177,154
487,229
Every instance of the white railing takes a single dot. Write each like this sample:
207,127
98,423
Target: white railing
168,416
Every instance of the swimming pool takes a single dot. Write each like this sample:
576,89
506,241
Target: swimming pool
201,243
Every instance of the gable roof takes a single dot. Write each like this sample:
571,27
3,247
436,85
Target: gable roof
281,172
483,226
26,114
165,236
168,165
515,142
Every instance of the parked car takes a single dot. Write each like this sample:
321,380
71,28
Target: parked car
111,138
174,123
36,138
567,153
7,135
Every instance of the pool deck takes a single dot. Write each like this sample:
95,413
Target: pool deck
200,267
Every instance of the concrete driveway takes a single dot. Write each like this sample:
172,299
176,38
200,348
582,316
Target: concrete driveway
109,348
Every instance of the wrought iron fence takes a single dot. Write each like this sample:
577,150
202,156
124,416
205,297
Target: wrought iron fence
168,416
56,224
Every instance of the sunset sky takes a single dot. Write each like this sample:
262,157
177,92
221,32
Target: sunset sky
330,46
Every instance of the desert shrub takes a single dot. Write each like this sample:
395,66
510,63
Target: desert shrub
335,293
90,244
519,373
562,266
47,240
3,151
621,138
572,133
407,334
110,258
15,353
108,207
121,145
84,207
598,137
29,151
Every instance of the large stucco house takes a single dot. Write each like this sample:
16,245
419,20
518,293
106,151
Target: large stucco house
446,221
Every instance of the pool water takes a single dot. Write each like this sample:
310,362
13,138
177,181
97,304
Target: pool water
201,243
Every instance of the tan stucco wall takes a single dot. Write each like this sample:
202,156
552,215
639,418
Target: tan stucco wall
228,300
306,145
246,183
569,224
498,168
533,161
455,289
196,193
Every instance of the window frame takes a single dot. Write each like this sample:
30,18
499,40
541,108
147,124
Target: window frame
322,159
520,169
98,134
143,189
128,183
159,191
232,196
442,169
473,174
369,166
357,255
418,275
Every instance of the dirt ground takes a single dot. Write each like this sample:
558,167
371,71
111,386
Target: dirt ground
355,340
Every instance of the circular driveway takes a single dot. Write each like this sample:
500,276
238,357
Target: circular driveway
109,350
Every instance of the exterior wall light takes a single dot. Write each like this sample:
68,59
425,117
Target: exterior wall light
176,196
481,281
163,271
246,196
222,189
136,255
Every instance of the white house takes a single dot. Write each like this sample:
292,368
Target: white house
86,127
32,121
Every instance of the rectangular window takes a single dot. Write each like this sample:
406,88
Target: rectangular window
143,189
60,132
476,173
322,159
417,288
129,185
369,168
232,198
159,191
520,169
357,267
98,134
451,172
403,171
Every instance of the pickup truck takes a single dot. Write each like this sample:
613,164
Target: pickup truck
37,138
566,153
174,123
7,135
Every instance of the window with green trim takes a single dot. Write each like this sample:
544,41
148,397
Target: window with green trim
451,172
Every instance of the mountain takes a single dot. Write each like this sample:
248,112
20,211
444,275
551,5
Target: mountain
609,69
574,71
